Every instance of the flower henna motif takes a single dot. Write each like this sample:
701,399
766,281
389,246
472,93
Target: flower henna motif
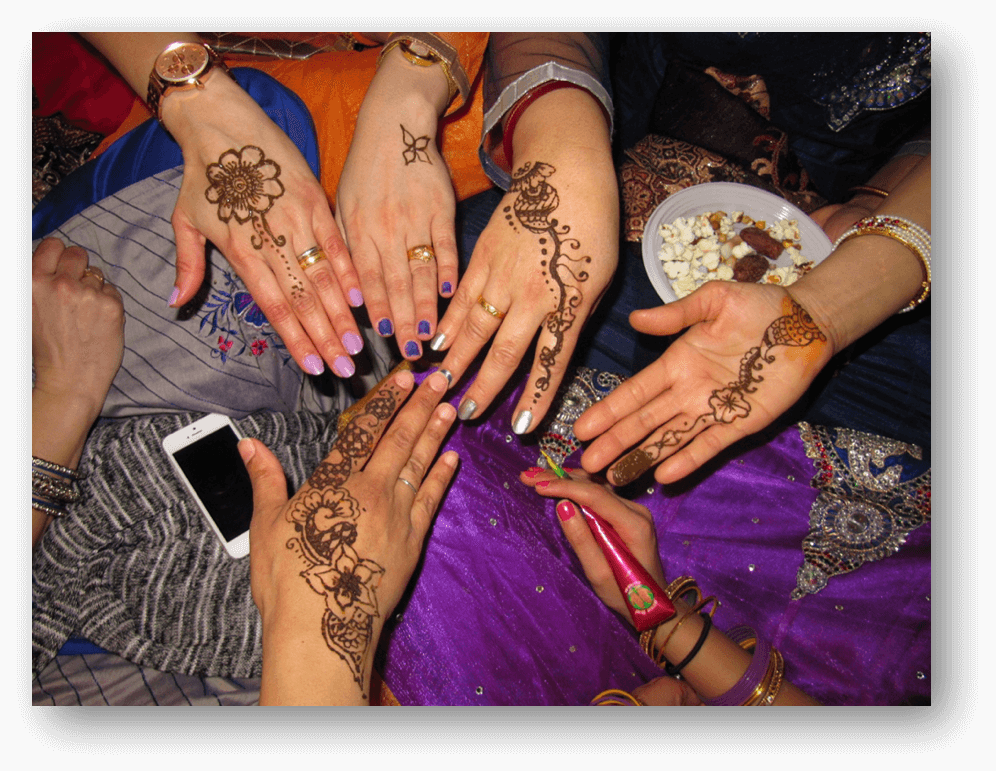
535,201
415,148
245,183
795,329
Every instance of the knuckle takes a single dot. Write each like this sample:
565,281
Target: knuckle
323,280
477,328
504,355
398,285
646,419
417,467
278,313
303,302
403,437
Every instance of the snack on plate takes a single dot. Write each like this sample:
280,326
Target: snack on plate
709,248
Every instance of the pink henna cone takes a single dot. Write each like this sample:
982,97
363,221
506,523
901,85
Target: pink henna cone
646,602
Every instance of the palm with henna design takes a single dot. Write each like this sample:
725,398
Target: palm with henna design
749,353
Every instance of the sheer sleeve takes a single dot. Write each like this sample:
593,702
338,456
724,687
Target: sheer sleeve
517,62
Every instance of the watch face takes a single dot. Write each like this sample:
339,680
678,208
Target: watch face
179,64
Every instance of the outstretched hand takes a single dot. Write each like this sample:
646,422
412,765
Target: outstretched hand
750,351
329,565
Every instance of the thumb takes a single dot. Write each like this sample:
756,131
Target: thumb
672,318
269,485
190,259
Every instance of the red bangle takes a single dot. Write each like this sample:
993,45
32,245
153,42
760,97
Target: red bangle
520,107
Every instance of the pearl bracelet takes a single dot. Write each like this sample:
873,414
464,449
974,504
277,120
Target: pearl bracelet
908,233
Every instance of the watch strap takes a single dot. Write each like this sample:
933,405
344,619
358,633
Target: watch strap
159,87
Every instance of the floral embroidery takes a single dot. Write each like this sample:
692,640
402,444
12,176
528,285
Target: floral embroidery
257,347
227,312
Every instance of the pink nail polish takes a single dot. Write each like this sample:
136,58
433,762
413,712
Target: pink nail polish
542,484
565,510
173,295
343,367
352,342
313,364
355,298
646,602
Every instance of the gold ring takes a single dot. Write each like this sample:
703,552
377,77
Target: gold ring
421,253
310,257
406,482
93,271
490,308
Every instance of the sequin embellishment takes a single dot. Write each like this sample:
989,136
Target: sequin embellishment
867,505
587,387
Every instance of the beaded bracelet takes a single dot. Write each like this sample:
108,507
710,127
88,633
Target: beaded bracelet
675,670
745,687
909,234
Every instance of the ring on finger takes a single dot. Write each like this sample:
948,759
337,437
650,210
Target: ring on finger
406,482
422,253
94,271
310,257
490,308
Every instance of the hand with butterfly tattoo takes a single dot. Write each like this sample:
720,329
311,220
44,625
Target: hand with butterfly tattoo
329,565
395,194
542,263
749,352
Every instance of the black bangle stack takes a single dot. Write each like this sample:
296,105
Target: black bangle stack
53,486
675,669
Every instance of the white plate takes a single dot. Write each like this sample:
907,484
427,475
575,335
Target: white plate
729,197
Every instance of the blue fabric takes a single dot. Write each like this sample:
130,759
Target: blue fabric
149,149
77,645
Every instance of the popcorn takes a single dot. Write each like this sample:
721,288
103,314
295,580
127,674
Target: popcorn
706,247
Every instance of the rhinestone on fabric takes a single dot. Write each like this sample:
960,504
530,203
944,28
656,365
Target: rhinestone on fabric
864,511
587,387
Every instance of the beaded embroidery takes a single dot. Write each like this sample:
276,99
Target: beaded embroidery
893,80
870,500
587,387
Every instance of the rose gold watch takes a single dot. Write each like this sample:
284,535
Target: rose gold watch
183,66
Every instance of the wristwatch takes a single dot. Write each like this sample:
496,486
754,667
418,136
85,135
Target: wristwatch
183,66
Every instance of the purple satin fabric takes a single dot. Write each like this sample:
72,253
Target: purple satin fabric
501,613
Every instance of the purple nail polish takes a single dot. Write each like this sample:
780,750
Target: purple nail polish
343,367
385,327
447,288
412,349
352,342
173,295
424,328
355,298
313,363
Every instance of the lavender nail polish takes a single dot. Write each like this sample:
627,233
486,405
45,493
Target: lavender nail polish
412,349
173,295
313,363
385,327
447,288
352,342
424,328
355,298
343,367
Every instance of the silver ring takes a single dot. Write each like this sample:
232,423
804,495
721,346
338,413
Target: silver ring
406,482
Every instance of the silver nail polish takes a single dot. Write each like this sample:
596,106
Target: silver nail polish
522,422
467,410
448,375
437,341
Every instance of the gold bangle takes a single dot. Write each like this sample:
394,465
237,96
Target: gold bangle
766,691
610,698
870,189
660,656
423,60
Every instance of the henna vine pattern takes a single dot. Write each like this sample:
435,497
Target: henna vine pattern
536,201
796,329
245,184
325,520
415,148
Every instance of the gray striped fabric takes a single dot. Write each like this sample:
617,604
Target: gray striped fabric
135,569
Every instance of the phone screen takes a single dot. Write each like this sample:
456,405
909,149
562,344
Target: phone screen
215,470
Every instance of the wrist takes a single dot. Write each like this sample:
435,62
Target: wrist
420,91
185,111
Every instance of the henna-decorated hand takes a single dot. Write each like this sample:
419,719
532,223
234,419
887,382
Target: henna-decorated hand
77,330
545,259
247,189
631,521
329,565
750,352
395,194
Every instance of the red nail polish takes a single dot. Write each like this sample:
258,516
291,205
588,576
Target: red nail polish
532,472
542,484
565,510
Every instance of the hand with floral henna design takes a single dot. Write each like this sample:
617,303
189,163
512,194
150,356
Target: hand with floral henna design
749,354
545,258
261,228
329,565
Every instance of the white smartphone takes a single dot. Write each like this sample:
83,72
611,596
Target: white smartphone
206,458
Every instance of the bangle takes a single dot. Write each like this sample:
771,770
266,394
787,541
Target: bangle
616,698
675,670
46,507
55,468
767,692
755,673
659,658
520,107
427,59
54,489
870,189
909,234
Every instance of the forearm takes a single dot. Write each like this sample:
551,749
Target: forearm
133,54
59,427
869,278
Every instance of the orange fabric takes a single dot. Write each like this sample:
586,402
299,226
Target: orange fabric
332,86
